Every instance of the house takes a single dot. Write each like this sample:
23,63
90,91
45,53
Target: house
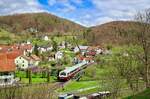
81,58
62,45
35,59
45,48
7,70
82,48
24,62
58,55
93,50
51,57
46,38
24,48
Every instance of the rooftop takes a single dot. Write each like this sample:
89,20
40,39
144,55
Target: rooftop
6,63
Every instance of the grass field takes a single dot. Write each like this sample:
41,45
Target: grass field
36,78
7,37
142,95
74,86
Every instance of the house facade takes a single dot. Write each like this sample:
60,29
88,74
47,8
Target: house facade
7,70
24,62
58,55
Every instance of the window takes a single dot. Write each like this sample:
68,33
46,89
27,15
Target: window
63,74
5,80
23,61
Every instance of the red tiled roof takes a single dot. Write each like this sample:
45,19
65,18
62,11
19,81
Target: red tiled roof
80,57
34,57
26,47
91,53
6,63
14,54
27,58
88,58
15,47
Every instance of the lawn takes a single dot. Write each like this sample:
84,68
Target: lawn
142,95
36,78
74,85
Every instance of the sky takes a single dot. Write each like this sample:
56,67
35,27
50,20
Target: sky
85,12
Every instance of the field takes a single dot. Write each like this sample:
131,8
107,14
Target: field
97,77
7,37
36,78
74,86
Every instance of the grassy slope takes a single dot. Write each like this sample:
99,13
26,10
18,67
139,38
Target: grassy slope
7,37
142,95
74,86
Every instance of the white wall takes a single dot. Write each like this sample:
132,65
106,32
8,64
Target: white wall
21,62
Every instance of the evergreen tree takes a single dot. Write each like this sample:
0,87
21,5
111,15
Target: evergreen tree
36,51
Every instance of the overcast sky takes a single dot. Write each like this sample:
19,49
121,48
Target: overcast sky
84,12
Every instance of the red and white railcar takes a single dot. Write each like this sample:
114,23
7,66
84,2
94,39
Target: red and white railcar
70,72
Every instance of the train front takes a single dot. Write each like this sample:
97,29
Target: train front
63,76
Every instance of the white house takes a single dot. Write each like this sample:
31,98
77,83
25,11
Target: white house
25,62
7,70
58,55
82,48
46,38
45,49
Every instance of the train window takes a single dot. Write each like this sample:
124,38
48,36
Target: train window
63,74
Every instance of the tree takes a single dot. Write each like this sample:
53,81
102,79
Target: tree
138,34
55,46
143,37
48,75
76,43
30,76
127,66
36,51
112,82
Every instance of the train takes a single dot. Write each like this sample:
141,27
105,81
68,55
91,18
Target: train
70,72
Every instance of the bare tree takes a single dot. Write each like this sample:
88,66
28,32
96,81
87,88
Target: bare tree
143,36
138,34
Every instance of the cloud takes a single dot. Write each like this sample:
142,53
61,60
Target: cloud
64,6
77,1
111,10
84,12
120,8
52,2
19,6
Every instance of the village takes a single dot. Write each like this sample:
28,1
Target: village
25,63
74,49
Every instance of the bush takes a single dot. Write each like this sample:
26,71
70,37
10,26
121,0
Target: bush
53,63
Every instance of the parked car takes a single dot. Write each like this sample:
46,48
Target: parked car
66,96
94,96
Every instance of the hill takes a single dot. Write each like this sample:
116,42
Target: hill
38,24
109,32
